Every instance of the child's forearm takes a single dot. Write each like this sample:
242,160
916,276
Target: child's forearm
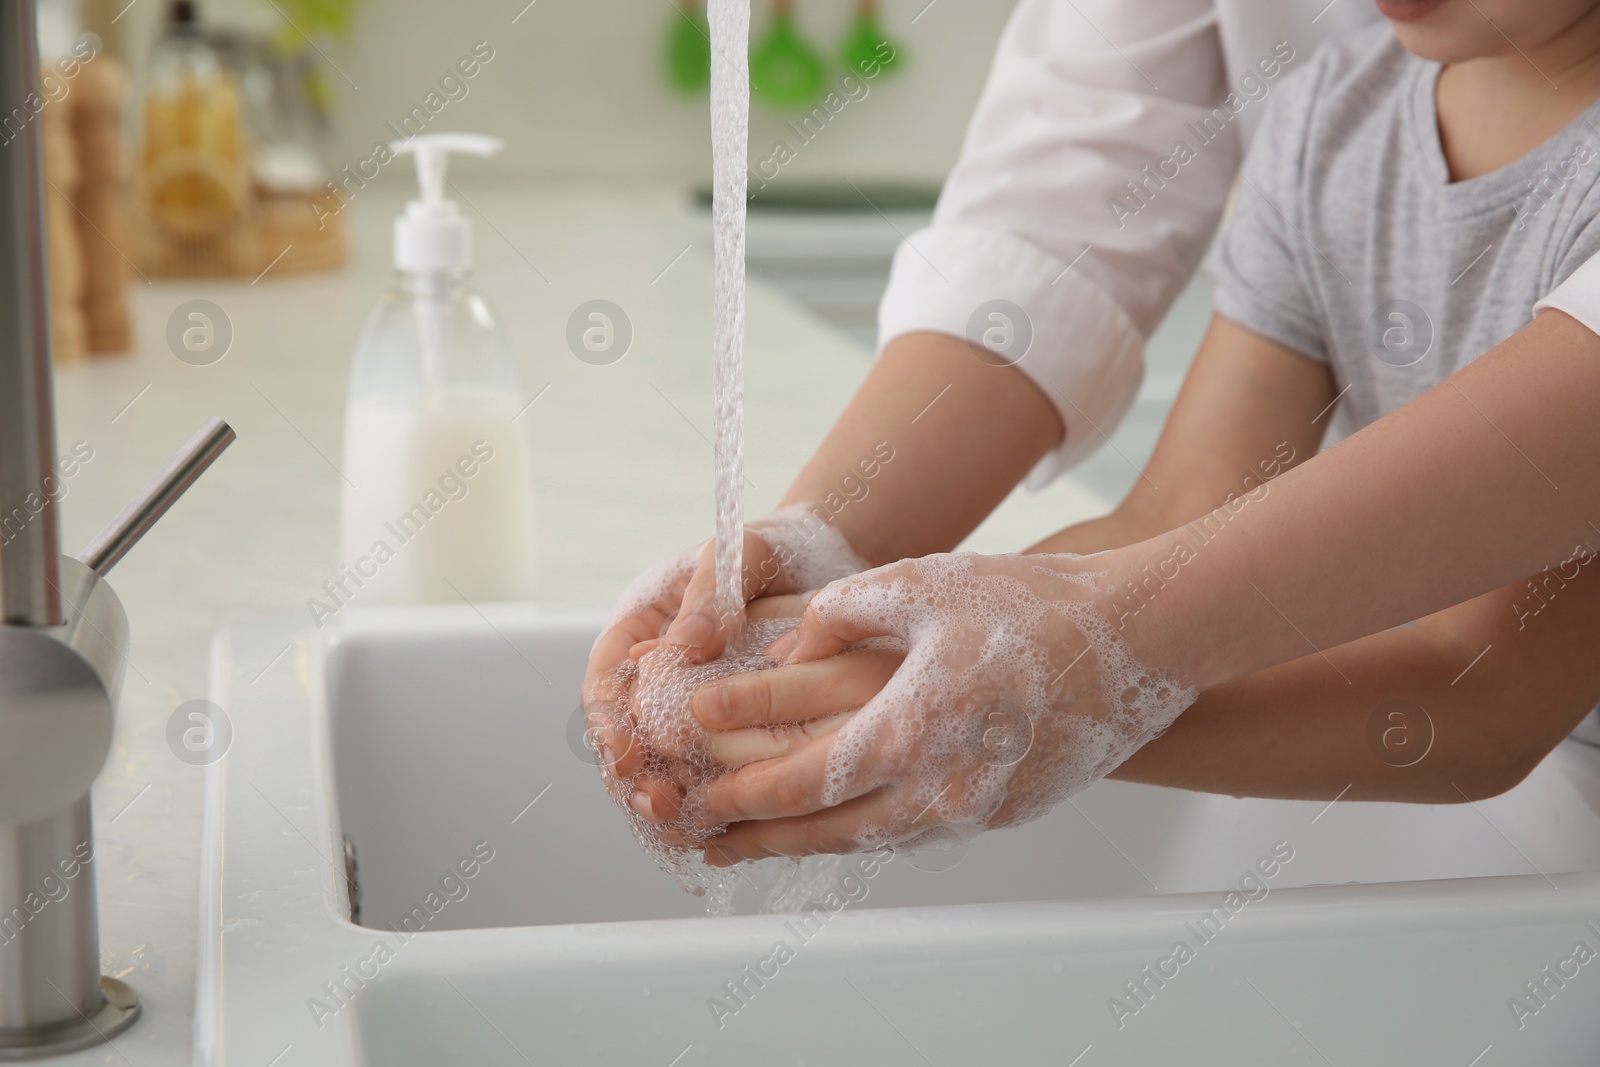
1127,525
1479,483
1428,715
1410,725
962,432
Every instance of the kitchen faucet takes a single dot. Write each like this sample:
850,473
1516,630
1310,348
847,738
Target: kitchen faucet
63,633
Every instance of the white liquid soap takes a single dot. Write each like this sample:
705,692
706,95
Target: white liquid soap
438,500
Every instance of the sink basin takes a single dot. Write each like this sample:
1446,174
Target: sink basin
418,770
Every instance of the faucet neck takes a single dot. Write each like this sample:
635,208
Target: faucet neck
30,543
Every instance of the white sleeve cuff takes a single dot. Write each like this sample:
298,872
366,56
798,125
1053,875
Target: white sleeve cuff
1084,353
1578,296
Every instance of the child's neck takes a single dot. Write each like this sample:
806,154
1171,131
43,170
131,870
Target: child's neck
1496,109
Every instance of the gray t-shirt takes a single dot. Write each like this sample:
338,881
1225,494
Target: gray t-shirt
1350,244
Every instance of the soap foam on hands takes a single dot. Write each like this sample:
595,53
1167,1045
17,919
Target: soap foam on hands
659,687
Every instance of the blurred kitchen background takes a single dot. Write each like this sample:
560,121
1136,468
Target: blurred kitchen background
580,90
598,95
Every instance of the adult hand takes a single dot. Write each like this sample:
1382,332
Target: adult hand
1016,690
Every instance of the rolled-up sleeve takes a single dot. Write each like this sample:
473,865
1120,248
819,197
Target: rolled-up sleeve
1072,202
1577,291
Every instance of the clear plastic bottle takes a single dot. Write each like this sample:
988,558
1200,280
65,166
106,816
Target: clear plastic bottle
439,501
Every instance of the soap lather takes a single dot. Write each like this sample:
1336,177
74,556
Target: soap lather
438,501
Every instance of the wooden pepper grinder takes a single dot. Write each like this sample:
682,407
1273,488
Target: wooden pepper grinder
66,256
103,225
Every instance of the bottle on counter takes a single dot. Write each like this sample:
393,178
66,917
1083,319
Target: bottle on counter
194,158
438,505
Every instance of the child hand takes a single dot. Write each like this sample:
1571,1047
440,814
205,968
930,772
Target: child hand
674,602
761,714
670,752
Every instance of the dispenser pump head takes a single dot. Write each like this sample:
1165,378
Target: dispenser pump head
433,234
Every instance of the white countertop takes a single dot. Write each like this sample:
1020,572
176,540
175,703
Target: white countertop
622,469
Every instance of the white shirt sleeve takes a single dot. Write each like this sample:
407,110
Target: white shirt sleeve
1578,296
1085,99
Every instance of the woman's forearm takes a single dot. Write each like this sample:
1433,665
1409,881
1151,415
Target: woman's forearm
1482,481
963,432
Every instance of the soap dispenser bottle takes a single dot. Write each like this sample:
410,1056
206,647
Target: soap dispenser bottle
438,503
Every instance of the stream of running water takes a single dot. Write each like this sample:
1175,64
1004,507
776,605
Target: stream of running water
730,138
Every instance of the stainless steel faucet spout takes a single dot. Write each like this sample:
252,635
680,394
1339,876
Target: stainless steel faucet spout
63,633
29,533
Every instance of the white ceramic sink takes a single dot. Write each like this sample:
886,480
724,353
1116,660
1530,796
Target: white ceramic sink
1395,934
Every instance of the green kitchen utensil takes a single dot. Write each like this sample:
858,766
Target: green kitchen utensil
785,70
867,49
688,54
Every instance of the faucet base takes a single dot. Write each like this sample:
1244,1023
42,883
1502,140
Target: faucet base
120,1010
